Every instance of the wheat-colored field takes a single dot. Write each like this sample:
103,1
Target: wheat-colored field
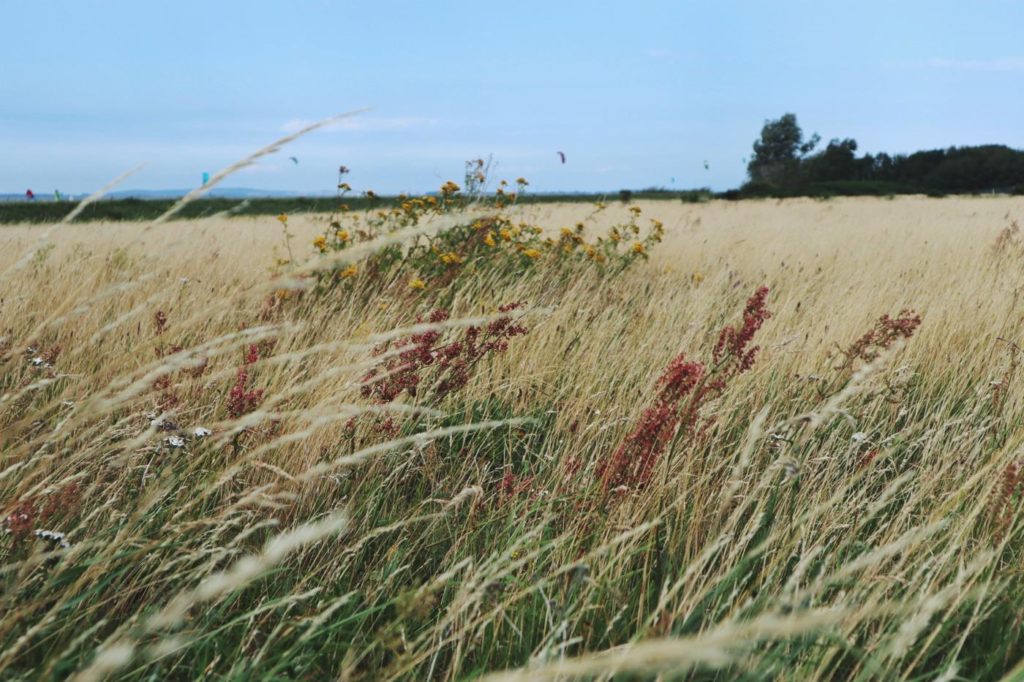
834,511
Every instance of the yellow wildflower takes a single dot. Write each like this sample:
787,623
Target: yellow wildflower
489,239
451,258
320,242
531,253
505,234
566,232
638,247
345,187
522,181
350,271
416,283
370,194
449,188
697,277
283,219
635,210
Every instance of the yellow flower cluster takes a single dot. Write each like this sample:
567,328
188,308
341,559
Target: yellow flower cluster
431,262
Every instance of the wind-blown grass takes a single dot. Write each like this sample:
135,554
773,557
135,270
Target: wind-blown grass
818,518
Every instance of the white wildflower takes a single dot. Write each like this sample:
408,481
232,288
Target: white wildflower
200,432
175,441
859,437
53,536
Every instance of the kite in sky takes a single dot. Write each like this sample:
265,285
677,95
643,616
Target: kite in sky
562,155
294,160
706,167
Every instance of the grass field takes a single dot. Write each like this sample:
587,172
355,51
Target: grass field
232,455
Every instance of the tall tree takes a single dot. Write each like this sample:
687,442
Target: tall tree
777,154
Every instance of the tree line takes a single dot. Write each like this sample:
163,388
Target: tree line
784,163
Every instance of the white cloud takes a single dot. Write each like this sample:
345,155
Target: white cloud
1002,64
365,123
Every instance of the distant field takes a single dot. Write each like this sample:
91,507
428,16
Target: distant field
618,484
148,209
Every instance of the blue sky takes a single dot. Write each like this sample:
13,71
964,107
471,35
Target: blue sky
634,93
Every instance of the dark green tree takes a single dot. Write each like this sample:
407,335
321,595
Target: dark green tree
838,161
777,154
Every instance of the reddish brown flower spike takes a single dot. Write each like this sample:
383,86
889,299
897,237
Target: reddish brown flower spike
682,388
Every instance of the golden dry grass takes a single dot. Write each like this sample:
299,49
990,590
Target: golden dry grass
750,555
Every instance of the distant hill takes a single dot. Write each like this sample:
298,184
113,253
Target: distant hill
158,194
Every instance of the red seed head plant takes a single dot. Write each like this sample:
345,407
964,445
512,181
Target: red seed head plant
21,522
734,344
1002,510
885,332
682,389
159,322
433,370
242,400
512,485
